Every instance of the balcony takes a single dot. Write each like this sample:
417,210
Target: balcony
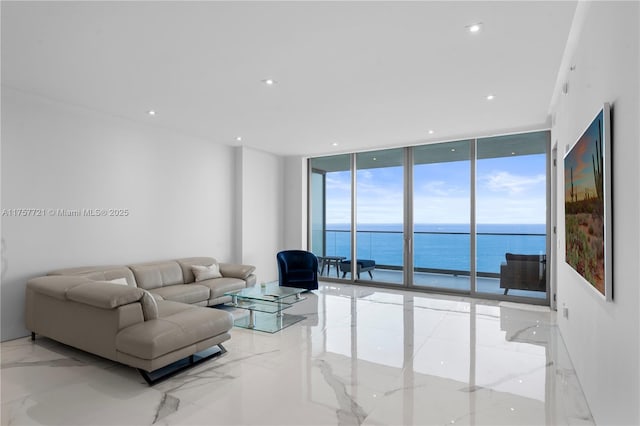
441,259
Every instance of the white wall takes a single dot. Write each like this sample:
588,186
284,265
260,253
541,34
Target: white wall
261,227
179,192
295,202
603,338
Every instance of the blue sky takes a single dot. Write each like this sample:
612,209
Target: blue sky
509,190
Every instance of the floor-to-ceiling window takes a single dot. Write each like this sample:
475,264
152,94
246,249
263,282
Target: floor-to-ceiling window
317,197
464,216
511,214
330,213
380,215
441,215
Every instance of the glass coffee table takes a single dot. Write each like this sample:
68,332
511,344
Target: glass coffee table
265,305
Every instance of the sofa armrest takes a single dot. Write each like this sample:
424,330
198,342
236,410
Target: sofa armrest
251,280
236,270
104,295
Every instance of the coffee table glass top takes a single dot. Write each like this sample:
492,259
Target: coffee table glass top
272,292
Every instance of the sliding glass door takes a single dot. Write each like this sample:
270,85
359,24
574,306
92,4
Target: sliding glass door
441,215
380,216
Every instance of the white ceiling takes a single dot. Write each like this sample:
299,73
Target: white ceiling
362,74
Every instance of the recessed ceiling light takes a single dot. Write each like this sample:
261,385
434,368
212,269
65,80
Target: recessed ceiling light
269,81
431,132
490,97
151,112
374,158
513,153
334,144
239,138
474,28
453,150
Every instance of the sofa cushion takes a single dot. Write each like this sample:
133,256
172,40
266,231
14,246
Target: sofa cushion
188,262
157,274
206,272
104,294
184,293
219,286
167,308
149,306
152,339
236,270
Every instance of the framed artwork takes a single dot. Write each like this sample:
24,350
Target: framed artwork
587,205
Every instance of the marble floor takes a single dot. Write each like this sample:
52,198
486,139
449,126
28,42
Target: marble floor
363,356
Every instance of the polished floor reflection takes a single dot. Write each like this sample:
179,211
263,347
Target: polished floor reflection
363,356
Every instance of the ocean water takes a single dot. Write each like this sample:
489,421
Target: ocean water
439,246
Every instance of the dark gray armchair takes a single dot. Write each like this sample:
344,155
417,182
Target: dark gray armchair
524,272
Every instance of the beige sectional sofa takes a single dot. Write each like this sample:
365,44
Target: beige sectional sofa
146,315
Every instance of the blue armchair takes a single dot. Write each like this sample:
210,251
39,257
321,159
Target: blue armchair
298,268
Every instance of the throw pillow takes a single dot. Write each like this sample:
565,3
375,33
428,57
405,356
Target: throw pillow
149,306
206,272
119,281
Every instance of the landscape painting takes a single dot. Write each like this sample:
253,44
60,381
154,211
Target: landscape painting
588,205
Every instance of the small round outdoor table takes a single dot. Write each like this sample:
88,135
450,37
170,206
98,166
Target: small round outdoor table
331,260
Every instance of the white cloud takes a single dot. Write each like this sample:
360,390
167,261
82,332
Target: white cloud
337,184
510,183
364,175
501,210
435,188
441,188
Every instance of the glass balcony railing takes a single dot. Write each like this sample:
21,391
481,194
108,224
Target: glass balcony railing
443,252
